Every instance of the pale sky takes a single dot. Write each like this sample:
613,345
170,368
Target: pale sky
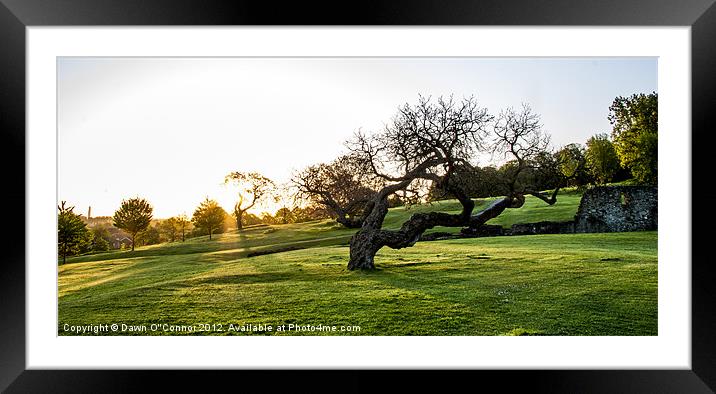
170,129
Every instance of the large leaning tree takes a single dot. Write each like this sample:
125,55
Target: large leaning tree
343,187
252,189
430,142
133,216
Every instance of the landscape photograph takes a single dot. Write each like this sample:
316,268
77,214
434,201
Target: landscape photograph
358,196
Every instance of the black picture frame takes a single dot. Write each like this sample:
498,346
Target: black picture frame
16,15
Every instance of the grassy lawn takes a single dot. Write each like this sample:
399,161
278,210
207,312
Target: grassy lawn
534,210
264,238
572,284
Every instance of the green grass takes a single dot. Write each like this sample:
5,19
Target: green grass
534,210
575,284
327,232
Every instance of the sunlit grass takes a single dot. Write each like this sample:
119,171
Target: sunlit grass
327,232
575,284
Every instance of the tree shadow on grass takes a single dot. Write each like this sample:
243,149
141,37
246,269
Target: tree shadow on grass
263,277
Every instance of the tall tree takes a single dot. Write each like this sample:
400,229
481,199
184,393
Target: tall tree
149,236
72,232
209,216
253,188
182,223
133,216
573,164
601,158
635,134
169,228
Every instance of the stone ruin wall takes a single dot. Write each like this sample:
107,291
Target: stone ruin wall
602,209
617,208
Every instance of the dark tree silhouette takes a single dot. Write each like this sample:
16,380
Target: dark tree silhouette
133,216
572,164
182,223
253,187
209,216
72,232
429,142
343,187
169,228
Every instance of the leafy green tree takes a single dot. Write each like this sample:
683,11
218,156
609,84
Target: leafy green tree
149,236
573,165
183,225
209,216
267,218
250,219
284,216
99,240
602,160
169,228
635,134
309,213
133,216
72,232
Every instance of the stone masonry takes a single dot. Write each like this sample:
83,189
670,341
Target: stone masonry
617,208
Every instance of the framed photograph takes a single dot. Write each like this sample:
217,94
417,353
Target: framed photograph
470,187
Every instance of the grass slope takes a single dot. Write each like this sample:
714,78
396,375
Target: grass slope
263,238
576,284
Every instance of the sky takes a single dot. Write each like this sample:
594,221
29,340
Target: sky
170,129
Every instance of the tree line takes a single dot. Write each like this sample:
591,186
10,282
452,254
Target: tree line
426,152
133,225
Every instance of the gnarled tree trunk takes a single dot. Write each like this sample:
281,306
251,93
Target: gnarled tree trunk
239,216
371,237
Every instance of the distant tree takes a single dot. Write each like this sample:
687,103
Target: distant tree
486,183
343,187
300,215
572,165
395,201
169,228
601,158
253,188
114,236
267,218
477,182
182,224
209,217
284,216
149,236
100,241
309,213
250,219
72,232
285,196
635,134
544,171
133,216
